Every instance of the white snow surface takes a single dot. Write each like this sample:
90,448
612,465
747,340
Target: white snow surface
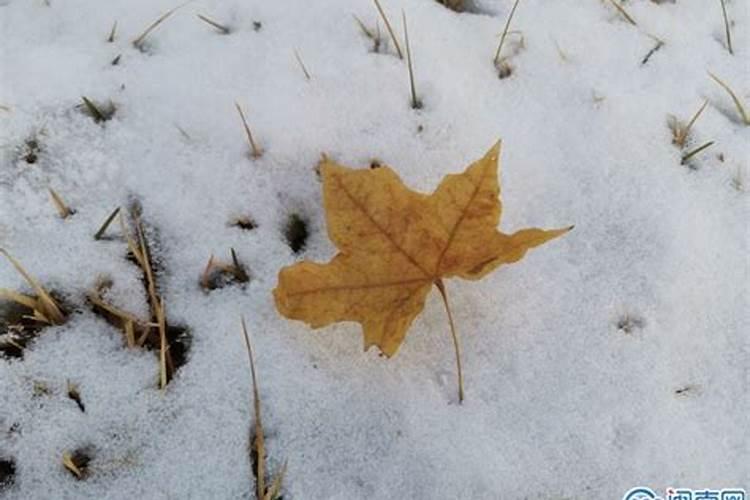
561,402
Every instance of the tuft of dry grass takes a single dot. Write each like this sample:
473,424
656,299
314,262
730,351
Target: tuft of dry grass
153,333
257,443
737,103
390,29
46,310
255,151
218,274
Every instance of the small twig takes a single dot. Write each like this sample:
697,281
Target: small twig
738,104
622,11
496,60
224,29
138,42
64,210
415,103
255,151
106,224
686,157
112,33
456,346
726,27
302,65
390,30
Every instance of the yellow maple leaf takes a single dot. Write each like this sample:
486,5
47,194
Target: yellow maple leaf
395,244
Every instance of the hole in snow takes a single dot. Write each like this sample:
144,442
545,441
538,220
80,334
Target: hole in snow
629,323
7,473
296,232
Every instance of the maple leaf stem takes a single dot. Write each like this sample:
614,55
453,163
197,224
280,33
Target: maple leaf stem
441,288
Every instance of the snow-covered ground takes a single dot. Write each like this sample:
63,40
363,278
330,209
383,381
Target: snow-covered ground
615,356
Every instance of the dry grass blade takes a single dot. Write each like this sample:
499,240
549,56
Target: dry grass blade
623,12
369,34
46,304
258,445
112,33
390,29
274,491
238,269
157,305
64,210
106,224
71,466
726,27
125,317
737,102
138,42
164,375
415,102
94,110
496,60
680,133
129,332
223,29
255,151
206,276
690,154
132,245
302,65
19,298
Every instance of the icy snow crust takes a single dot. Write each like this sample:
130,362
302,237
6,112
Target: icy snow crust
561,401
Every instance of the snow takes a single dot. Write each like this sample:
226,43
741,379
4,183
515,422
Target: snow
561,402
